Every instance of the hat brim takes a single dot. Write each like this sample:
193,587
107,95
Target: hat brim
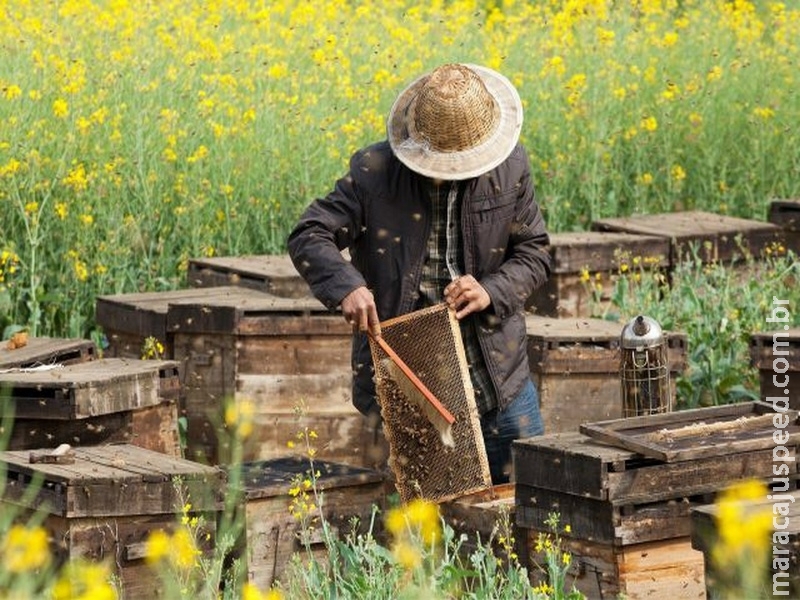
462,164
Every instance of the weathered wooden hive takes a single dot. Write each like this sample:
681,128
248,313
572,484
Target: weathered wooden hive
273,532
586,267
715,238
575,363
274,274
706,534
289,357
104,502
93,402
786,214
626,492
776,355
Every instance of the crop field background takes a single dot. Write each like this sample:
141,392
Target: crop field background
137,135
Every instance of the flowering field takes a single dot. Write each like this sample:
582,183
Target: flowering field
134,136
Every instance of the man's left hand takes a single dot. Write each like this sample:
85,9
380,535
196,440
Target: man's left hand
465,295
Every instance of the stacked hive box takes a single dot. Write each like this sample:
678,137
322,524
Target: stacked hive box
273,533
42,351
776,355
289,356
586,267
484,517
714,238
628,511
273,274
128,320
575,365
60,394
101,503
784,576
786,214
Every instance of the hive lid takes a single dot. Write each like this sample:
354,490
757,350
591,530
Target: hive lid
83,390
250,312
268,478
47,350
112,480
696,433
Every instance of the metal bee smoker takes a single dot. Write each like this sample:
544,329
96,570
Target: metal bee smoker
644,369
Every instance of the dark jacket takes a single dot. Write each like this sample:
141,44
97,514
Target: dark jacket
380,212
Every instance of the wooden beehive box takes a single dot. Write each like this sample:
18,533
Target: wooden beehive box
273,533
575,365
771,352
786,214
274,274
104,504
629,512
717,238
94,402
42,351
705,535
776,355
586,267
128,320
290,357
483,517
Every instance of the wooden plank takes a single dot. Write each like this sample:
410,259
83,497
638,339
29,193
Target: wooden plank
300,355
274,274
113,481
47,351
589,397
696,433
717,237
83,390
785,213
637,484
604,251
571,463
555,332
766,346
255,313
568,462
601,521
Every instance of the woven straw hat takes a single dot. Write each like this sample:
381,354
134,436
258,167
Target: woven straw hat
457,122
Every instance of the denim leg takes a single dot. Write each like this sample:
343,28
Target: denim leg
520,419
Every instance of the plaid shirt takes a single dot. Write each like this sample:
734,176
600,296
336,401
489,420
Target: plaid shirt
443,264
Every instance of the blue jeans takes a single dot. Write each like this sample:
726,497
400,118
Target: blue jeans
520,419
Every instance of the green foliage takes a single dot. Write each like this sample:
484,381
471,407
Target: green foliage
718,306
134,137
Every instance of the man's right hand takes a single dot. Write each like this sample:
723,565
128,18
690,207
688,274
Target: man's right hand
359,310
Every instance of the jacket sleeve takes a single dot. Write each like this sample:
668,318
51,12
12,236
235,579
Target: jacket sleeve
527,265
326,227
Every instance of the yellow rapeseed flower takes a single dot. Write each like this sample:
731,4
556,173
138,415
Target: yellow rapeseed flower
743,534
60,108
25,549
407,555
157,546
184,550
251,592
649,123
419,517
84,580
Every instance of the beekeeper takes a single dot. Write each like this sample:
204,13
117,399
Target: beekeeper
444,209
